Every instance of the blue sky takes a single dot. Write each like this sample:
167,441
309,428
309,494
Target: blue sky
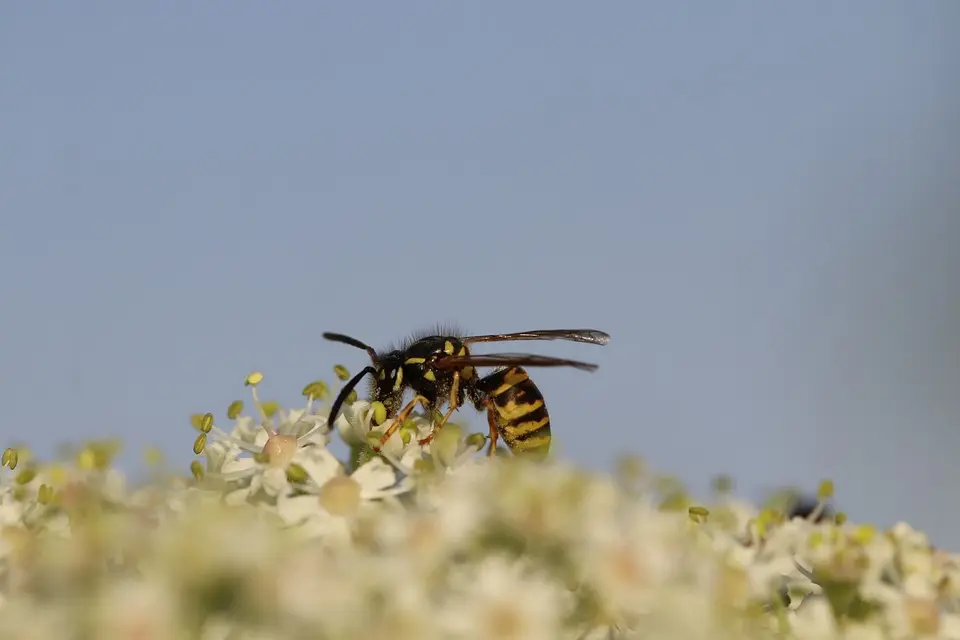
758,201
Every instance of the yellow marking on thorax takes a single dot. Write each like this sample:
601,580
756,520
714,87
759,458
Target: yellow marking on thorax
429,375
448,348
414,360
399,381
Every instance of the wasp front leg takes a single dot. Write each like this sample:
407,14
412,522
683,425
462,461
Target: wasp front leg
401,418
454,405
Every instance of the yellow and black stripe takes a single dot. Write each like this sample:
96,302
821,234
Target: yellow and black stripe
517,410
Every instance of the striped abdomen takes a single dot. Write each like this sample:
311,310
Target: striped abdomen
517,408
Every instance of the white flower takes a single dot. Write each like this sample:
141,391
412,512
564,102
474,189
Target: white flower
297,440
907,535
281,437
627,570
813,619
24,619
356,427
11,509
501,600
330,502
788,538
448,511
143,609
950,626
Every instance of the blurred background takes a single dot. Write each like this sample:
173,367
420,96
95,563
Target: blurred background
759,202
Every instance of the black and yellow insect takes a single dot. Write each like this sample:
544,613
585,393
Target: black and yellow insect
440,369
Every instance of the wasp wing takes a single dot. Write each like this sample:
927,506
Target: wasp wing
591,336
508,360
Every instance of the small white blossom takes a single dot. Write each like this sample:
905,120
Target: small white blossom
145,610
278,538
502,600
356,426
329,503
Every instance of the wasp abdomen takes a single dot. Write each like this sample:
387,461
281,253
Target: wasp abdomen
518,410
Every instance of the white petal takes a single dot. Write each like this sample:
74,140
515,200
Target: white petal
406,463
261,438
395,447
320,465
299,508
238,465
237,497
374,476
351,425
335,532
312,429
274,481
411,456
216,455
11,512
406,484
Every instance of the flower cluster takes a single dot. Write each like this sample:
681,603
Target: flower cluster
273,536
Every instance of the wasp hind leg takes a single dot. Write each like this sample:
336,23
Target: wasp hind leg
494,429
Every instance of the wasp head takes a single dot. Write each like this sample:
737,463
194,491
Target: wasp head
387,382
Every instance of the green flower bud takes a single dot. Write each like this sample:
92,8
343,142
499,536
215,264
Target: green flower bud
379,413
698,514
317,389
476,440
424,465
234,409
270,408
10,458
45,494
152,456
296,474
26,476
825,490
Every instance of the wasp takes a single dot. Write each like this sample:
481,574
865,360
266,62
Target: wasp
440,369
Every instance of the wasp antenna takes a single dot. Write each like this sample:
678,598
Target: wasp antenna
342,396
353,342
